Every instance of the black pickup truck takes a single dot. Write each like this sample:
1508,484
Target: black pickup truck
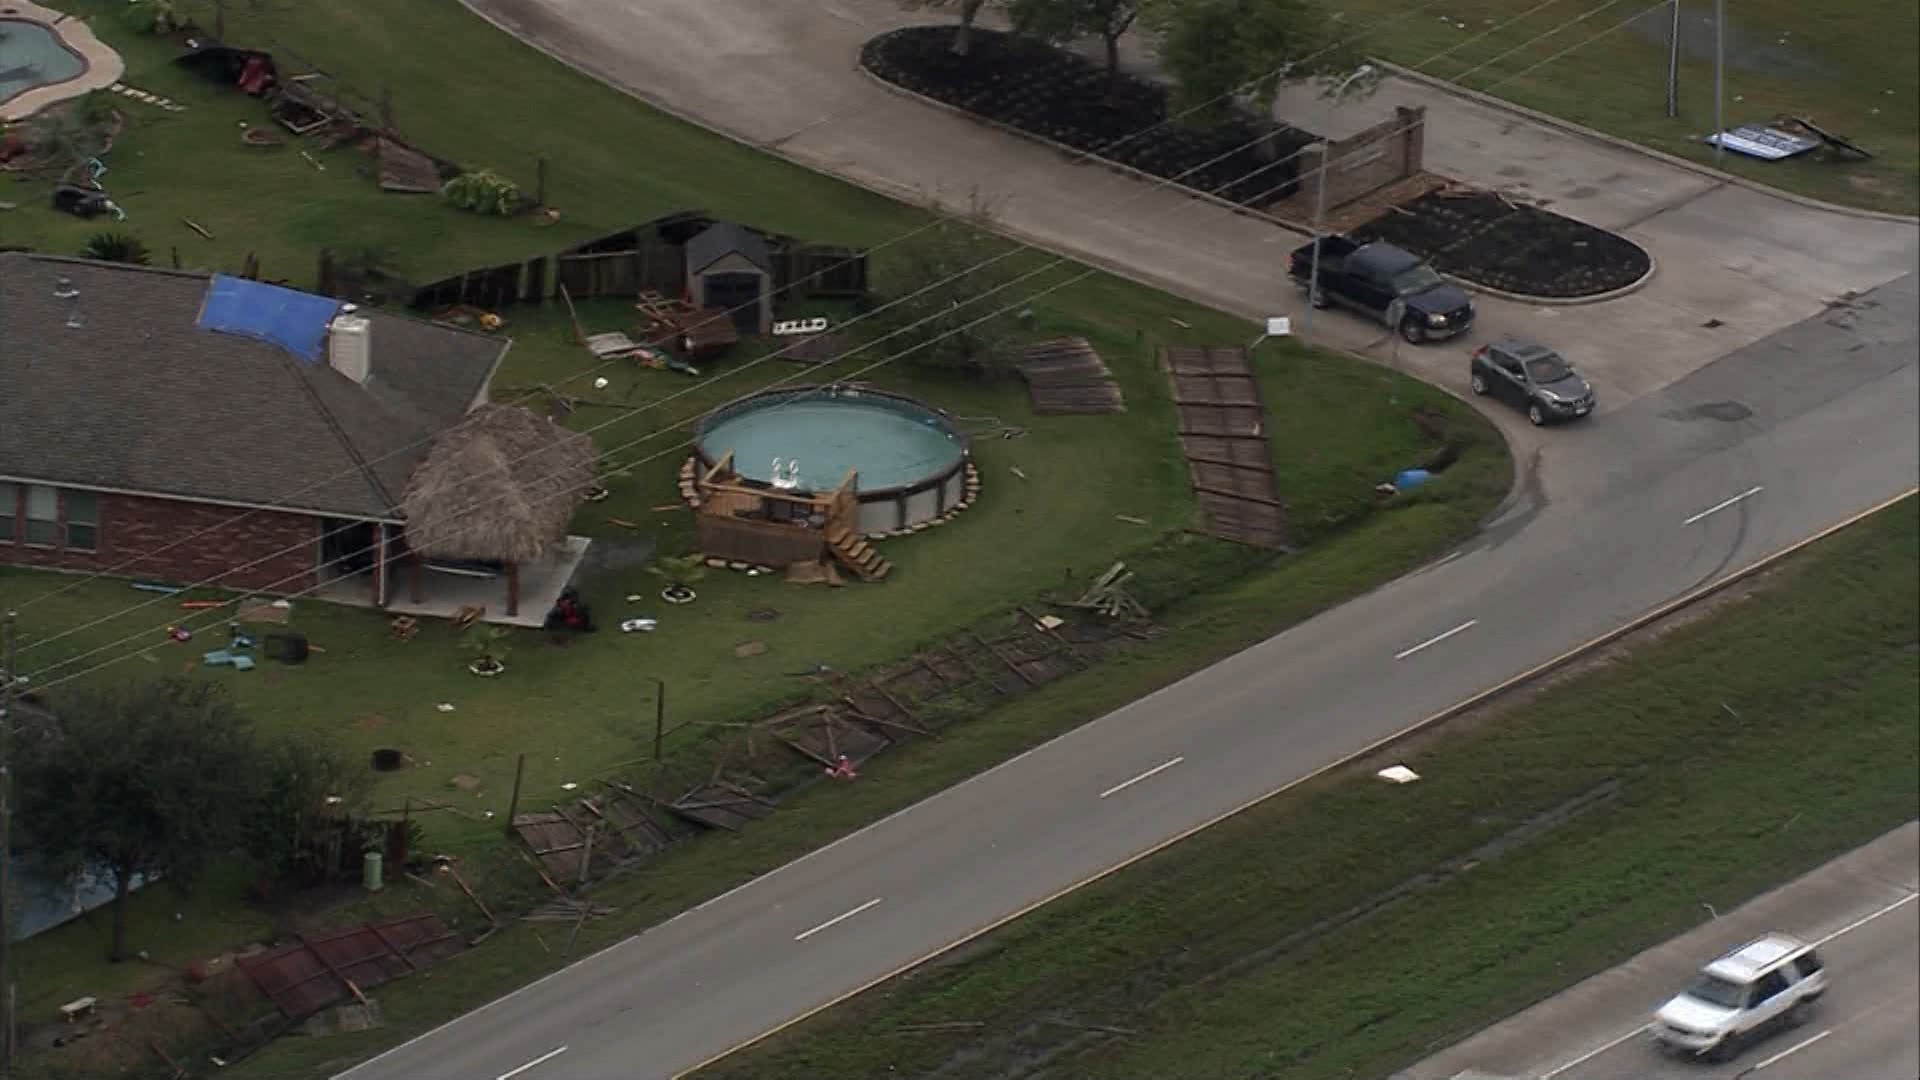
1385,282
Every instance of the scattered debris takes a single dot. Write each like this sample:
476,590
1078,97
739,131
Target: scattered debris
763,615
677,593
1108,595
1015,470
1398,774
1066,376
196,227
748,649
794,327
1130,519
643,626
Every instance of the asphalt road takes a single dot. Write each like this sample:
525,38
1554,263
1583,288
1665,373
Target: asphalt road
1750,454
1862,910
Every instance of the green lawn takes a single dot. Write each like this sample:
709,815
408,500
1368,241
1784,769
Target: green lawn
584,711
1849,66
1807,687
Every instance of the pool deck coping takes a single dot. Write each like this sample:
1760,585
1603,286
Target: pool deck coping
104,66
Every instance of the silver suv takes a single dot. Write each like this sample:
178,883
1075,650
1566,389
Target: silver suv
1763,984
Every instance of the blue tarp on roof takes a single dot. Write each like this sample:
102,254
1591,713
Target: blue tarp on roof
293,320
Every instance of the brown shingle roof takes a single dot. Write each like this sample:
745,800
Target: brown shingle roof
141,399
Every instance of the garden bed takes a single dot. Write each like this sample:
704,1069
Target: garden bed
1058,95
1482,237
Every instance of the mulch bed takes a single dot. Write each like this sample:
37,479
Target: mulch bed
1061,96
1511,246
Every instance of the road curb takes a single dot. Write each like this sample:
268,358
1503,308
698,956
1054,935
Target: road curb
1630,146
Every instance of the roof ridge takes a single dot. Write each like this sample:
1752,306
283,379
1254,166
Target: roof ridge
367,473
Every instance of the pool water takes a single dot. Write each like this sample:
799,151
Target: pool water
31,55
890,446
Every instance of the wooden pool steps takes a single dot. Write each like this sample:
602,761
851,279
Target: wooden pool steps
854,553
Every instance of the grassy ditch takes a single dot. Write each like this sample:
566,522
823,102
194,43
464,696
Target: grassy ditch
1548,839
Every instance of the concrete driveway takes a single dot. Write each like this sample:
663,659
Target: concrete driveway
1735,264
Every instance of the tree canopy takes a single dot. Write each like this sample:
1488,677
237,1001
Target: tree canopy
1219,50
151,779
943,293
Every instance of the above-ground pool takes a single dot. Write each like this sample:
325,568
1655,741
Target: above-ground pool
46,57
910,459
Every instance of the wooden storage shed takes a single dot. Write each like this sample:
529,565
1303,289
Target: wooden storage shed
729,267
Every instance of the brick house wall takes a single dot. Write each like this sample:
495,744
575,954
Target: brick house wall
1363,163
287,545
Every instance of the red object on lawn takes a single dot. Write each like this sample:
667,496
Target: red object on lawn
842,769
256,76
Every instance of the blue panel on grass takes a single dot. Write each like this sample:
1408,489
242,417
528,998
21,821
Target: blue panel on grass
289,318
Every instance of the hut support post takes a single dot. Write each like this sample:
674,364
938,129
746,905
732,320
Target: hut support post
419,580
380,566
513,589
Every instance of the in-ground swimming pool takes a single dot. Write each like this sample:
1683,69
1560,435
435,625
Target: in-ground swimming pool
32,55
910,458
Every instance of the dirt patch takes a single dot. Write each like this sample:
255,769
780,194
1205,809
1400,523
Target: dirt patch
1491,240
1059,95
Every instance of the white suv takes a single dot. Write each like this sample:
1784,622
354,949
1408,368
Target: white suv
1762,984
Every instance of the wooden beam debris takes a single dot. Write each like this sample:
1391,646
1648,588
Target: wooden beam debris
1108,595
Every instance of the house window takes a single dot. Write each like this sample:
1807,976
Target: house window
43,516
83,521
9,512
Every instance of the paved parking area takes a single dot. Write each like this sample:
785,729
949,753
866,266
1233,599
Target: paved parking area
1734,264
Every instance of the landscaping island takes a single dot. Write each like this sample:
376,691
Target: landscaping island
1053,94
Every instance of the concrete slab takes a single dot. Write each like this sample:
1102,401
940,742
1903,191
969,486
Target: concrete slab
443,595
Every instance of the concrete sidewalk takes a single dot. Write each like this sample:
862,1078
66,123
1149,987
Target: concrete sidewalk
1734,264
1595,1013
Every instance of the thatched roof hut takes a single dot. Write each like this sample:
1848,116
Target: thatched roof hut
501,486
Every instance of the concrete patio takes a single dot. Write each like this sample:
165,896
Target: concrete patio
444,594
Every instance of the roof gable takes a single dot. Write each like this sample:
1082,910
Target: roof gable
141,397
724,238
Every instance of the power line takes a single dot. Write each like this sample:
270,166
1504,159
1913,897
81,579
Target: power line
283,505
1056,262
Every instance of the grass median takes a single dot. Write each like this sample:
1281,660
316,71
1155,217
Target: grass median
1349,927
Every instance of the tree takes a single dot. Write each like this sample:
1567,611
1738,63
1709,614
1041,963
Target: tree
307,789
968,10
943,298
1219,50
1057,22
151,779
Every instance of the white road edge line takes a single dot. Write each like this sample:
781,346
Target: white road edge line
1865,919
1847,929
548,1056
1747,494
1463,627
1794,1049
1593,1053
836,920
1160,768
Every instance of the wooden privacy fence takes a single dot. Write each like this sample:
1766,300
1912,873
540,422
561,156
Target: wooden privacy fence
626,263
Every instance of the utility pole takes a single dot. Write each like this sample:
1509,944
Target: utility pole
659,716
1324,163
1673,64
1719,79
6,846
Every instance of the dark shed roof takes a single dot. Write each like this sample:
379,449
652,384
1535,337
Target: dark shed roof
140,398
724,238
